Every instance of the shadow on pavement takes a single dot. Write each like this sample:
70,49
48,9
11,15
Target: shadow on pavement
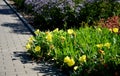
18,28
5,10
42,67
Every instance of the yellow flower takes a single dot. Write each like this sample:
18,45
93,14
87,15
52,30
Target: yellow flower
102,52
75,67
107,45
28,46
70,31
82,58
31,39
66,59
49,37
56,30
99,45
115,30
37,31
71,62
37,48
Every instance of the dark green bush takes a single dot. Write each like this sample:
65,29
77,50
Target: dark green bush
49,19
98,9
66,17
19,3
90,12
54,18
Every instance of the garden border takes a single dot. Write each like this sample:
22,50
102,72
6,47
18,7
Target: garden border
30,28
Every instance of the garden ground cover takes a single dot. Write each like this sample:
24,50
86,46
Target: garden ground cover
87,51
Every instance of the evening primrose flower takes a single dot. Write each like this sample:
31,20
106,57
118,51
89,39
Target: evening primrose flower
31,39
99,45
107,44
66,59
70,31
28,46
82,58
37,48
115,30
49,37
37,31
71,62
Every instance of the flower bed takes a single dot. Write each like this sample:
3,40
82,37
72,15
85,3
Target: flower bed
86,51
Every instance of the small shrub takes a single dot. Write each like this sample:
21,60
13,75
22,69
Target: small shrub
99,9
56,13
19,3
111,22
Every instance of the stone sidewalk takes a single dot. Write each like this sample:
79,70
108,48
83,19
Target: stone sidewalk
14,60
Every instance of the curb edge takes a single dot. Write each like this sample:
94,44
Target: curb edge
26,24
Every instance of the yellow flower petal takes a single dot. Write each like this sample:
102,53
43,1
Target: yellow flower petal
31,39
66,59
115,30
37,31
37,48
28,46
70,31
99,45
49,37
82,58
107,45
71,62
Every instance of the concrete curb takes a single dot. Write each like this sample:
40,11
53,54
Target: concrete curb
31,29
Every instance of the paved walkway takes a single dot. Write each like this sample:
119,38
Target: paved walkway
14,60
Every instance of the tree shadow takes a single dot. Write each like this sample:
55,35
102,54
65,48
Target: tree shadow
18,28
42,67
5,10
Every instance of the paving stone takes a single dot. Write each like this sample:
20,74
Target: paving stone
11,74
2,74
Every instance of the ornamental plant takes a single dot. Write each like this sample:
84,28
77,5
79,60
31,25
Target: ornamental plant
84,52
112,23
98,9
50,14
19,3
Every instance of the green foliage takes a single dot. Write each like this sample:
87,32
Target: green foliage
19,3
51,16
49,19
99,9
85,52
